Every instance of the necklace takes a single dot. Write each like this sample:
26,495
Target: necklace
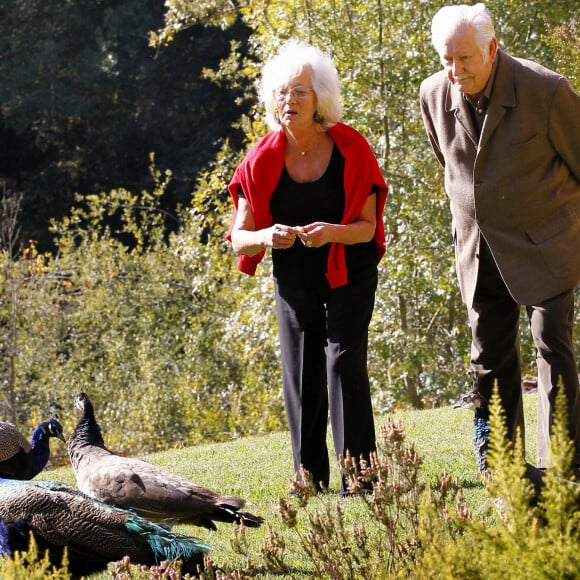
310,143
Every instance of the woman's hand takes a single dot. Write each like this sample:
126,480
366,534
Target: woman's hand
361,230
278,236
249,241
316,234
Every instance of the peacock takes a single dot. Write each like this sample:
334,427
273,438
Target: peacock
20,459
94,533
150,491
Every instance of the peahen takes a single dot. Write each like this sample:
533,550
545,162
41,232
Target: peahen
20,459
94,533
151,491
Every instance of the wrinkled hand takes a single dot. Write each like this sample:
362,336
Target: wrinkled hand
314,235
281,237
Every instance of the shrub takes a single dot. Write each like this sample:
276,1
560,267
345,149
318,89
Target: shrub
538,537
418,531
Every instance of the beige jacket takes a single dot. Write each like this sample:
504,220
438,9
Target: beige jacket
519,186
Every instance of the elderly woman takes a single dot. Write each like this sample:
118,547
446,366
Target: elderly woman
311,190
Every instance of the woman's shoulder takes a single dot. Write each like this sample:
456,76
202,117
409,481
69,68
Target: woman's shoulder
270,144
342,130
264,158
348,138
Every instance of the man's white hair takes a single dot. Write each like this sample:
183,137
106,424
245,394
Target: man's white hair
452,19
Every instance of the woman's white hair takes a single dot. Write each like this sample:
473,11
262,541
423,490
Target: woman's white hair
292,58
452,19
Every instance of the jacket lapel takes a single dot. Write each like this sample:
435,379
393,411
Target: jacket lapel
456,103
503,96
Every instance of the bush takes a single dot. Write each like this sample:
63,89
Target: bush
171,342
412,530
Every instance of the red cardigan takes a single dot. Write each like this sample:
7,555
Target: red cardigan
260,171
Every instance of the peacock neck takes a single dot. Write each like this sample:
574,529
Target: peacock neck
90,432
40,451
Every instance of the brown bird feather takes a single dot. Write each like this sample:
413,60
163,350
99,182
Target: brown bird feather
94,534
152,492
12,441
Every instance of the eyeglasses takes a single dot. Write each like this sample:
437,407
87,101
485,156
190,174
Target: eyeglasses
298,93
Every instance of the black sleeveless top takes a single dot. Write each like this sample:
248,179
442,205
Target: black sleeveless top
298,204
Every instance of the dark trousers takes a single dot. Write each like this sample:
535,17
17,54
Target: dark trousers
495,355
323,338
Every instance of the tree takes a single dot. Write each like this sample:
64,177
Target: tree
85,99
419,334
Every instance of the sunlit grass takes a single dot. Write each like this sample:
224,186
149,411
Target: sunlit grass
260,470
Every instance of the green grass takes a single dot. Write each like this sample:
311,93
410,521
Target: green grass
260,470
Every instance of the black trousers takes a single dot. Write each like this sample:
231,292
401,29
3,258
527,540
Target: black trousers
323,339
495,354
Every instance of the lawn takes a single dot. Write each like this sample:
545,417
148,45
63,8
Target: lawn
260,470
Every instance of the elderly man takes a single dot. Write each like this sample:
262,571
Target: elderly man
507,132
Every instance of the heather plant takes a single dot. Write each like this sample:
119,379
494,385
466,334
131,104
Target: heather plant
377,543
124,570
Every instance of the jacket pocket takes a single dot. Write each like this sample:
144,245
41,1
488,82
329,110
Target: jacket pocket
553,226
558,240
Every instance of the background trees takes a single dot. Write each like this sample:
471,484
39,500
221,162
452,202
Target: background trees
138,300
84,99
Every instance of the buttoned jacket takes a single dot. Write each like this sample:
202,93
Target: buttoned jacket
518,185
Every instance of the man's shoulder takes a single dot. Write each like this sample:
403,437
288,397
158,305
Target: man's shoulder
436,83
529,69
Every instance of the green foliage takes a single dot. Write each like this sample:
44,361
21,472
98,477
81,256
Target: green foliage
84,98
159,332
32,565
540,541
521,26
182,14
564,40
